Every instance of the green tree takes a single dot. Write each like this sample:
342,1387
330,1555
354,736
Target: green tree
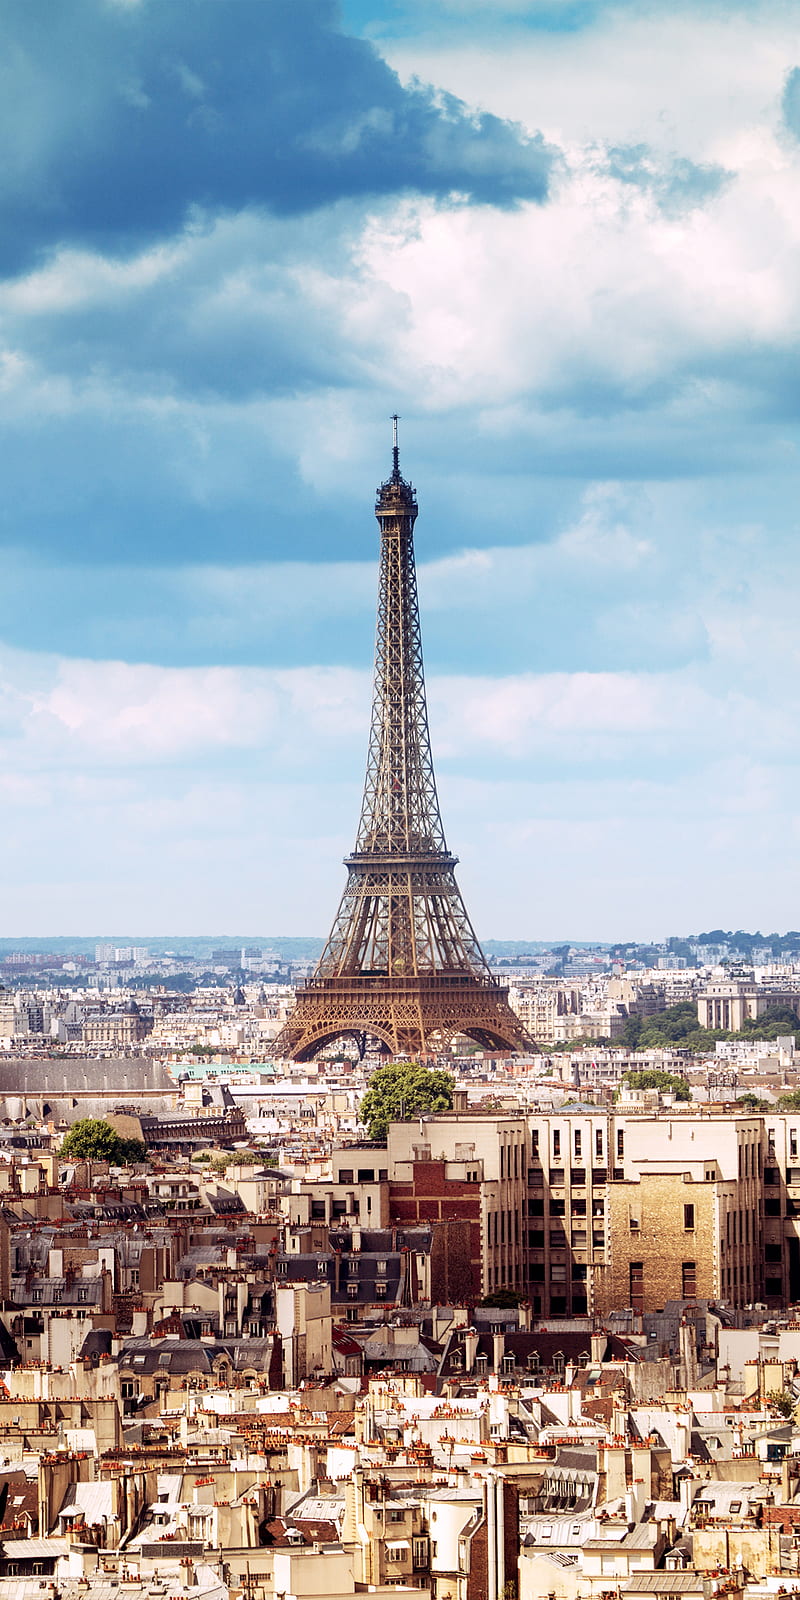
502,1299
91,1139
782,1402
752,1102
790,1101
665,1082
774,1021
631,1031
400,1091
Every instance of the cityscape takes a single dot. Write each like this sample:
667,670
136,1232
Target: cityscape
447,1243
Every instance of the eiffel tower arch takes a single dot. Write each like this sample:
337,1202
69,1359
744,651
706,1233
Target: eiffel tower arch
402,963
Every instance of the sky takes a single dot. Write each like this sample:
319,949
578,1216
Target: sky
562,239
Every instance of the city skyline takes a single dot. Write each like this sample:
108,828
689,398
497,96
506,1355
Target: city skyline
561,241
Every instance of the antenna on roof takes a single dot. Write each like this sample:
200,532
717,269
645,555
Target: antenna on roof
395,447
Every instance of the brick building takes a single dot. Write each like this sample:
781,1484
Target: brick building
468,1169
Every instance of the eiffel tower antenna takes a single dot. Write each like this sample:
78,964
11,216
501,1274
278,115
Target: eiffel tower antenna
395,448
402,964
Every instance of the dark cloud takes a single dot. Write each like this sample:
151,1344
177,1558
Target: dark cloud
676,185
120,120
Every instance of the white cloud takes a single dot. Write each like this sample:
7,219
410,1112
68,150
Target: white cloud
189,799
112,710
689,76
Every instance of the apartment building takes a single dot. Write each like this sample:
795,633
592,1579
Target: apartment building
684,1211
566,1207
781,1208
473,1169
585,1209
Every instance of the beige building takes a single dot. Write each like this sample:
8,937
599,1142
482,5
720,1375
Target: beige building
684,1212
617,1208
303,1319
729,1003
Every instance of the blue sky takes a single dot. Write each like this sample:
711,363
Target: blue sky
563,241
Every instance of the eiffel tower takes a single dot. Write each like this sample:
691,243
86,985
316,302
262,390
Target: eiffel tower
402,965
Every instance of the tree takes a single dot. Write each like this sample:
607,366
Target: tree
631,1031
774,1022
782,1402
665,1082
503,1299
401,1091
91,1139
752,1102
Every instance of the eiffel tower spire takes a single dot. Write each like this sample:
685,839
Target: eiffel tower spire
402,963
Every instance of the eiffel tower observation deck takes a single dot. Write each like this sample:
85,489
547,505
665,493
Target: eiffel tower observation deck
402,967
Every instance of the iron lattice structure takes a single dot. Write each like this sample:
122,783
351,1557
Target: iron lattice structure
402,964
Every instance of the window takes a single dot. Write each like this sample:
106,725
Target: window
380,1290
322,1267
689,1280
381,1267
535,1144
420,1552
366,1174
636,1286
577,1143
352,1290
345,1175
688,1217
620,1144
556,1144
352,1268
598,1143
